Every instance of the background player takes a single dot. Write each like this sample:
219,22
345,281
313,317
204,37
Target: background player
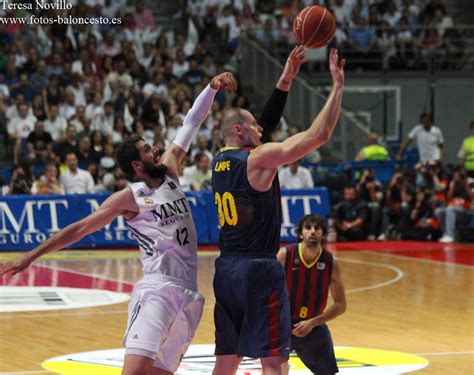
249,281
165,308
311,271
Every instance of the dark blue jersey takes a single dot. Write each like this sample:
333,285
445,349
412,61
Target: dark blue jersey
307,284
249,219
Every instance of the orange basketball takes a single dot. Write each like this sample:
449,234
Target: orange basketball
314,27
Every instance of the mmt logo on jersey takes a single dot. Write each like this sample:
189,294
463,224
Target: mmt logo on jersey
168,213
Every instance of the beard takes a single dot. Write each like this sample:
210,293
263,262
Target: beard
154,171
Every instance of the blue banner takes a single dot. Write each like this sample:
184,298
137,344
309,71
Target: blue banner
27,221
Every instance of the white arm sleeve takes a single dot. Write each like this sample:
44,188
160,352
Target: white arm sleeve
194,118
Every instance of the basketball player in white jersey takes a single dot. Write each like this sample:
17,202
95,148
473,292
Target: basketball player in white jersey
165,308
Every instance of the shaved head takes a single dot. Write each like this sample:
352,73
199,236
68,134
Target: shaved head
231,117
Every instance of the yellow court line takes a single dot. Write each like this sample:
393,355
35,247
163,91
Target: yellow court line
92,255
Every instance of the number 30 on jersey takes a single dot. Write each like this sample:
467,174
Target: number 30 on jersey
226,209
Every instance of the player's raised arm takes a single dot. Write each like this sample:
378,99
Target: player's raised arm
273,155
173,157
119,203
275,105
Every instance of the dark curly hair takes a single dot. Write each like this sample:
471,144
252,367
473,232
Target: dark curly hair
312,219
128,152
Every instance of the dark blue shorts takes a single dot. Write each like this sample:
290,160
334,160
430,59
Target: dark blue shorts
252,313
316,351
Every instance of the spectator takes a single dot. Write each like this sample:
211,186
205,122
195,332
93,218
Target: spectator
48,183
21,180
95,108
147,134
38,108
373,150
115,180
201,179
110,46
350,216
55,123
69,145
40,79
407,46
180,65
362,39
157,86
454,46
370,192
147,56
24,88
201,148
342,12
466,153
53,93
107,161
118,81
391,15
184,178
67,109
430,40
105,122
142,17
40,144
430,174
294,176
76,180
215,143
131,112
153,112
119,133
456,211
418,222
399,195
208,66
86,154
442,21
429,140
194,75
19,129
77,87
267,35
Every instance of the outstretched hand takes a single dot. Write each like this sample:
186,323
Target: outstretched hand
294,62
336,67
16,265
224,80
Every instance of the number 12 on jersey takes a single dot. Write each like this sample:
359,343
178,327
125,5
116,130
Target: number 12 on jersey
182,236
226,209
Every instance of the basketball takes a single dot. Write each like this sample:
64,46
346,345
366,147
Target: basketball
314,27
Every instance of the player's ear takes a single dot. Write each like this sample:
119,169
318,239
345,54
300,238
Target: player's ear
137,165
237,128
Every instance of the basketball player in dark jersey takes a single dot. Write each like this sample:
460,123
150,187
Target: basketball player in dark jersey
252,315
311,272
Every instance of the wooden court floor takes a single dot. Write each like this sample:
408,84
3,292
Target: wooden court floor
406,297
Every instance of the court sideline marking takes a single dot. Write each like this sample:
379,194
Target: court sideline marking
407,257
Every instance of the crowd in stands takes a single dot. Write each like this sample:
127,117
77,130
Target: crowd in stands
431,202
397,34
69,94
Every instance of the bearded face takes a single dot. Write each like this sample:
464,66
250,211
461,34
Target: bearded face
155,171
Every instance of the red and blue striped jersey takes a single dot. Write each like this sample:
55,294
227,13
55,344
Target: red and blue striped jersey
307,284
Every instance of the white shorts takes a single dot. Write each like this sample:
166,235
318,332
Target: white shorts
162,319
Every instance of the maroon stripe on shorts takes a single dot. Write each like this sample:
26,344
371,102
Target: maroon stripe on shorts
274,319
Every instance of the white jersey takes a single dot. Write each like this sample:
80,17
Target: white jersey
165,232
